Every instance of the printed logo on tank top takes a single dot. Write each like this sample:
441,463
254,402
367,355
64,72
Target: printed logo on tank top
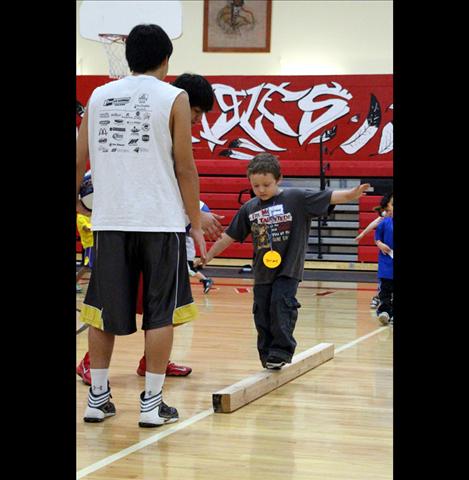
130,125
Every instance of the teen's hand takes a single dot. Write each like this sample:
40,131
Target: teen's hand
198,235
211,225
359,191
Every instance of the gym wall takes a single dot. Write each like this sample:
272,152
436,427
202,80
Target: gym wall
307,38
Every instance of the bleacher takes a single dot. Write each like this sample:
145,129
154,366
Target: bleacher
222,180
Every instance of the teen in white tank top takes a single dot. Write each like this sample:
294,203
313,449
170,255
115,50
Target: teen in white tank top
135,186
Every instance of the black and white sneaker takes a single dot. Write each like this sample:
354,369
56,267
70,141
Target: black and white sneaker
274,363
154,412
374,302
99,407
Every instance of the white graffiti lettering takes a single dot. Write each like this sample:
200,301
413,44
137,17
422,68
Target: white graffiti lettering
331,99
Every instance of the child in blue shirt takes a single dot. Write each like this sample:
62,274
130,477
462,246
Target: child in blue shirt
385,242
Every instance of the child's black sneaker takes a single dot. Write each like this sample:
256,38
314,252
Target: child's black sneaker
208,282
274,363
374,302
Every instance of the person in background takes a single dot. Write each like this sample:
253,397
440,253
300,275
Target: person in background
201,101
384,239
382,212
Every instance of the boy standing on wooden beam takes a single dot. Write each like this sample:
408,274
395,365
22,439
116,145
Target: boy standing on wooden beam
279,221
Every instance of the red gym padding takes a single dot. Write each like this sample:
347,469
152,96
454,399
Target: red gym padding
368,254
216,201
299,168
365,218
223,184
368,202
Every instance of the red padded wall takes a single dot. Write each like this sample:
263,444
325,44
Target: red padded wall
359,107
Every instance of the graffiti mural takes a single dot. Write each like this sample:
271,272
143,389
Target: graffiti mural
289,115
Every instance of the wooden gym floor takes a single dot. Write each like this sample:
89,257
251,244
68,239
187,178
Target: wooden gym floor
334,422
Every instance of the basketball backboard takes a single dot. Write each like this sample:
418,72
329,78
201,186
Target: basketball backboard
119,17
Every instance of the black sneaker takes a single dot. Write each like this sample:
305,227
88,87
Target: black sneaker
99,407
208,282
154,412
274,363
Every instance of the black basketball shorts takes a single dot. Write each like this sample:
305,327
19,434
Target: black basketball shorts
111,300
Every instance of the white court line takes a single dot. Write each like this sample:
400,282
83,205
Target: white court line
144,443
199,416
351,344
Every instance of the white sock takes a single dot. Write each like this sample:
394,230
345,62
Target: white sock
99,380
153,383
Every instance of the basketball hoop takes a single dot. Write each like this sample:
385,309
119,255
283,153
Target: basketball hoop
114,46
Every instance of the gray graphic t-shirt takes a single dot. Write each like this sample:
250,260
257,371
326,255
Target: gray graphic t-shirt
282,223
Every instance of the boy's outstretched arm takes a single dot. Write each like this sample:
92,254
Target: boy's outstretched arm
344,196
371,226
221,244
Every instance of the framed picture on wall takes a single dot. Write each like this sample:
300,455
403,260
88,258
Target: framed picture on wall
237,25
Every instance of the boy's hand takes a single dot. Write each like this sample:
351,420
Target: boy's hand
211,225
358,237
384,248
198,235
198,263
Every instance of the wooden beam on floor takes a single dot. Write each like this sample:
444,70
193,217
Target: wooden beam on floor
245,391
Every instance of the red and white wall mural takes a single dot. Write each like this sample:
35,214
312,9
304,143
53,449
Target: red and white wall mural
286,115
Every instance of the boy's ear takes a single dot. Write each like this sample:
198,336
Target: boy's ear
280,179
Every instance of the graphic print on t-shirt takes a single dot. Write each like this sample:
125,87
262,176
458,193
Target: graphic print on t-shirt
126,128
270,222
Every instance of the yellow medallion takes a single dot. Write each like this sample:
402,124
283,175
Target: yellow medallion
272,259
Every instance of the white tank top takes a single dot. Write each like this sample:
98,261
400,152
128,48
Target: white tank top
132,165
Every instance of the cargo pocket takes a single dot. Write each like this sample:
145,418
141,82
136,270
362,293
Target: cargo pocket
291,307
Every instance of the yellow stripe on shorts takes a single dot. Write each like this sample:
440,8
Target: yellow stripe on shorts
92,316
185,314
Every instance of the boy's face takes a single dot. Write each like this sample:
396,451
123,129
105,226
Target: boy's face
264,185
390,207
196,114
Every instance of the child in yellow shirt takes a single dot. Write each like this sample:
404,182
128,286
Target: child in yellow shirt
86,237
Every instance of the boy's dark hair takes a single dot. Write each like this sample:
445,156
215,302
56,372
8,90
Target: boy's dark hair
265,163
146,47
198,88
385,200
